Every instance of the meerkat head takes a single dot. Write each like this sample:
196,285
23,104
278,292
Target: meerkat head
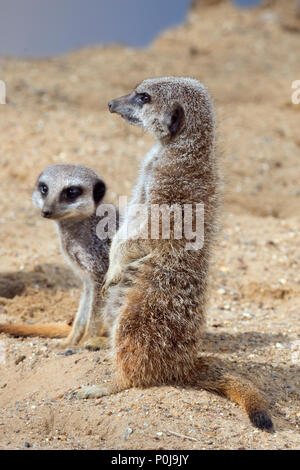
68,191
169,108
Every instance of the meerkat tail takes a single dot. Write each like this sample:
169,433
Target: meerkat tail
47,330
214,378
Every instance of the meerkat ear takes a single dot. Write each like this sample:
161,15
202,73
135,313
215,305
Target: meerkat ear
174,119
99,191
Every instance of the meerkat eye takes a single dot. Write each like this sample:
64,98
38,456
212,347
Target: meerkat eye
71,193
43,188
144,98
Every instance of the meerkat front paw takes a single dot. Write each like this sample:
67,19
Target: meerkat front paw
112,278
107,285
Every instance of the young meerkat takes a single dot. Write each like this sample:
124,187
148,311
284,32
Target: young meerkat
70,195
156,288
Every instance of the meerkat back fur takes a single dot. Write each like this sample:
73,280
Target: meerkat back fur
157,285
70,195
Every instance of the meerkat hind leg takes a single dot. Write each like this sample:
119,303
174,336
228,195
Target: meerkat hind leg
81,317
96,335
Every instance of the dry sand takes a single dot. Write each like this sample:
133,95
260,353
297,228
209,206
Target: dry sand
56,112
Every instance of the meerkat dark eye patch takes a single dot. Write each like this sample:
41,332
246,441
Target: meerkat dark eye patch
71,193
99,191
175,119
142,98
43,188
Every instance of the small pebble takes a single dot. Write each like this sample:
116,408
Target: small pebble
246,315
128,431
97,358
19,359
68,352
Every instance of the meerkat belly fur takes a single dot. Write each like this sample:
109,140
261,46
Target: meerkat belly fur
156,287
70,195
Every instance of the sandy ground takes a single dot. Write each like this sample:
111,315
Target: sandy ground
56,112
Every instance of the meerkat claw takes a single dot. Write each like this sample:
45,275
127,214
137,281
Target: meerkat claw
111,282
103,291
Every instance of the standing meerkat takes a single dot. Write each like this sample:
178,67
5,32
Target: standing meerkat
156,288
70,196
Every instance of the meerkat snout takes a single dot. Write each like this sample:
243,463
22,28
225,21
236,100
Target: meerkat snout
47,214
128,106
111,106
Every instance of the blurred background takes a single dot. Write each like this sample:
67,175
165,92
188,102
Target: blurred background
41,27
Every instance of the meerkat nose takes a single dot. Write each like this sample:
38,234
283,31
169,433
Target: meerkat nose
46,213
111,106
